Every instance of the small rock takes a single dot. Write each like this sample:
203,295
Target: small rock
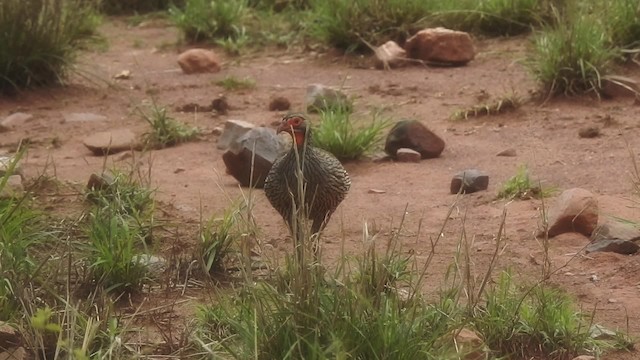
390,55
100,181
376,191
413,135
220,105
469,181
14,120
320,97
589,132
279,103
84,117
233,129
593,278
111,142
620,86
123,75
616,230
575,210
13,353
619,246
408,155
5,163
156,265
195,61
584,357
12,188
9,336
193,107
469,344
598,332
440,45
508,153
240,156
217,131
612,301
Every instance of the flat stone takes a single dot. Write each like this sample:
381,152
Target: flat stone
259,147
469,181
111,142
412,134
440,45
599,332
619,246
575,210
197,61
12,188
156,265
320,98
408,155
508,153
390,55
84,117
233,129
616,230
14,120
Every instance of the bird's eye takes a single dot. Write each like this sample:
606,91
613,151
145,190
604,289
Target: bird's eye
295,121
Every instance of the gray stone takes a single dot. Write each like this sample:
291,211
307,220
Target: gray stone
111,142
619,246
233,129
408,155
599,332
469,181
508,153
575,210
84,117
12,188
320,98
156,265
390,55
442,46
14,120
197,61
100,181
616,230
5,163
240,156
413,135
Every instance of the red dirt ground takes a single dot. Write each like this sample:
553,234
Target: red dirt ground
193,175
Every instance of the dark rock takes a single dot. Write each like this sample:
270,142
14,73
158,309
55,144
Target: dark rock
575,210
616,230
508,153
413,135
440,45
390,55
469,181
233,129
238,159
193,107
619,246
196,61
111,142
589,132
614,86
320,98
408,155
100,181
220,105
279,103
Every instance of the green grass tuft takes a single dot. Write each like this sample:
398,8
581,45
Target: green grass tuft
217,235
338,133
165,130
520,186
202,20
232,83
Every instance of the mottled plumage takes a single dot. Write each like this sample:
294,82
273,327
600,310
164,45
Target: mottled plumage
326,182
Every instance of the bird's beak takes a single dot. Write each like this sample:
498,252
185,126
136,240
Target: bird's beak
284,127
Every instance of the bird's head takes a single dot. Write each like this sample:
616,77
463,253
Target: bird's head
296,125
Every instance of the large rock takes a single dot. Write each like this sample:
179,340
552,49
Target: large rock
619,246
238,159
469,344
469,181
575,210
440,45
233,129
320,98
413,135
14,120
390,55
111,142
196,61
615,237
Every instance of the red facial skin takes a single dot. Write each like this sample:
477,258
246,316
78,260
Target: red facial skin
296,127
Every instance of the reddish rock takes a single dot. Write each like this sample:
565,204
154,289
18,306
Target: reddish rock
390,55
411,134
408,155
441,45
111,142
14,120
575,210
195,61
469,344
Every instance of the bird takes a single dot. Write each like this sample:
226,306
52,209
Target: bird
324,179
